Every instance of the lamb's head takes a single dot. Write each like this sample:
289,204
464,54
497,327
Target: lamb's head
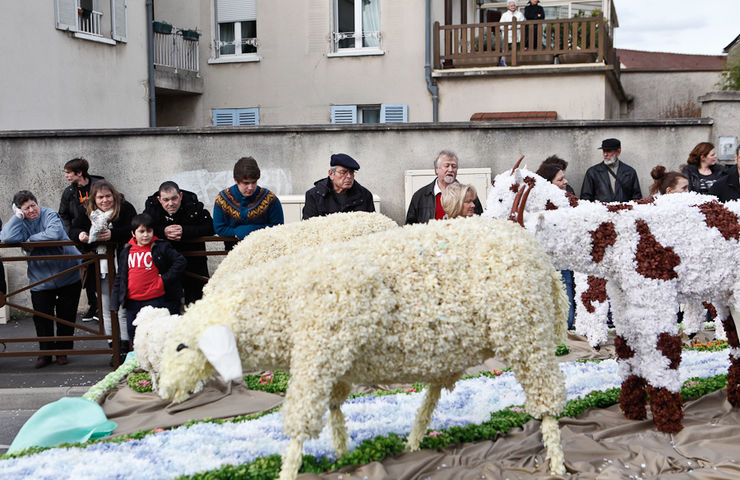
543,195
191,354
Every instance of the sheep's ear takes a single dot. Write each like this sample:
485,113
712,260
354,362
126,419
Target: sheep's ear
218,344
518,177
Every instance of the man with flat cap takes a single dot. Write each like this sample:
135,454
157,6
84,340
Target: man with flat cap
338,192
611,180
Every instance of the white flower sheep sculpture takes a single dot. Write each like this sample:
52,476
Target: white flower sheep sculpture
418,303
654,257
154,324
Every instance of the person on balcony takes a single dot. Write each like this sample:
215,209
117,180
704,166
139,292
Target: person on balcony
56,297
533,11
508,16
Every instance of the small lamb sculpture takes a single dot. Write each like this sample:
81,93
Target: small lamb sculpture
418,303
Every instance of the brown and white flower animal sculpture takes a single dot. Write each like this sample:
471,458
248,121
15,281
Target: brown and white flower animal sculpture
418,303
652,263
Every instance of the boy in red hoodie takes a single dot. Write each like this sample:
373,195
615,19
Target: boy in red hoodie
149,271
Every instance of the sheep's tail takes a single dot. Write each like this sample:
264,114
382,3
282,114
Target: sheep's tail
562,307
553,448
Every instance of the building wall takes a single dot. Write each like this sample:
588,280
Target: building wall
52,80
657,93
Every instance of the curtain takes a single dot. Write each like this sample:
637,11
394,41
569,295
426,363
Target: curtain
371,23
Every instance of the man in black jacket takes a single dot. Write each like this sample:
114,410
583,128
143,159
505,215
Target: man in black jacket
71,207
178,216
611,180
339,192
728,187
426,203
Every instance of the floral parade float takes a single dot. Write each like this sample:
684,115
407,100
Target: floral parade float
651,262
379,309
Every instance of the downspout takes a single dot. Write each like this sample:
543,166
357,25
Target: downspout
431,85
150,58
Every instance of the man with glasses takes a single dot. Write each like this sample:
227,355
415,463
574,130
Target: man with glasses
338,192
611,180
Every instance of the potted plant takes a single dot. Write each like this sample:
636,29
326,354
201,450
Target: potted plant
190,35
162,27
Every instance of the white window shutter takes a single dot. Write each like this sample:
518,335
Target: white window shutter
66,14
248,116
224,118
119,21
394,113
235,10
344,114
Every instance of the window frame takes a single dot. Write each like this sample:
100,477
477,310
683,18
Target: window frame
358,34
237,56
219,116
67,18
352,114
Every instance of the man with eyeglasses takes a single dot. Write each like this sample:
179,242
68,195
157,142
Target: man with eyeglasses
338,192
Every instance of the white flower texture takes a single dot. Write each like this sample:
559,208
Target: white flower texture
210,446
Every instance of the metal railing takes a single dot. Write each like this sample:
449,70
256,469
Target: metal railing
174,51
90,333
89,22
574,40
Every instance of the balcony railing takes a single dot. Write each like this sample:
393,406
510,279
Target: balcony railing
174,51
89,21
575,40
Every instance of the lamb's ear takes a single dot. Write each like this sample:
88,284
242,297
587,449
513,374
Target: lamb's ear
518,177
218,344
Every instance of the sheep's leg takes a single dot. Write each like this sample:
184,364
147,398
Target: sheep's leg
292,459
733,375
424,416
336,418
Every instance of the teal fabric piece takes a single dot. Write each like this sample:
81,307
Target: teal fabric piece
68,420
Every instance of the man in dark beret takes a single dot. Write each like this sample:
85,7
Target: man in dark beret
611,180
338,192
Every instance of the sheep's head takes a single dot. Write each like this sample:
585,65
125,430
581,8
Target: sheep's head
543,195
190,357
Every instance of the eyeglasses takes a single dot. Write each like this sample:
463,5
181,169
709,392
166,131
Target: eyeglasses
344,173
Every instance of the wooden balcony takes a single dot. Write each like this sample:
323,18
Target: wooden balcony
534,42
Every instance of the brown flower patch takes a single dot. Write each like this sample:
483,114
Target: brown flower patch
719,217
602,237
514,187
670,346
550,206
731,331
621,348
667,408
572,199
733,382
595,293
619,207
530,181
632,398
645,201
710,307
653,259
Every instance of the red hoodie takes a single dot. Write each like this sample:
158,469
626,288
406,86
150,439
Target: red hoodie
144,282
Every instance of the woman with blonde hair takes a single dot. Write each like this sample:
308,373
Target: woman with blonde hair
458,200
702,169
108,219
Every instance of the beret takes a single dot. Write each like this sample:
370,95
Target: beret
610,144
344,160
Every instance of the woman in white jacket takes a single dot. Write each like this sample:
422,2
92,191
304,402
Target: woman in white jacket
509,15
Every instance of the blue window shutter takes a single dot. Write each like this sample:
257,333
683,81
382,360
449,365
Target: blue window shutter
224,117
248,116
394,113
66,14
119,22
344,114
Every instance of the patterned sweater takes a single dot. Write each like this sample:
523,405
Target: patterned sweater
235,215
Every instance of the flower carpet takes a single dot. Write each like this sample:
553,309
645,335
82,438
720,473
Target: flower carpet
207,446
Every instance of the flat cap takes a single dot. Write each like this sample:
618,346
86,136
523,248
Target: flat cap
344,160
610,144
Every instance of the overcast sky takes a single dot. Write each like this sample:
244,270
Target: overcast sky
678,26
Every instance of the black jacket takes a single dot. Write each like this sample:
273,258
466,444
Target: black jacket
321,200
423,205
168,261
194,220
728,187
71,205
534,12
120,230
597,184
692,171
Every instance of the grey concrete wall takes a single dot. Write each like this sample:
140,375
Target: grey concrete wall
656,93
724,107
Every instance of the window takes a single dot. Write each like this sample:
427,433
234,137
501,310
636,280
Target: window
88,19
236,28
385,113
356,25
229,117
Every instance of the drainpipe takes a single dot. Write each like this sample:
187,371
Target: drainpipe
431,85
150,60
